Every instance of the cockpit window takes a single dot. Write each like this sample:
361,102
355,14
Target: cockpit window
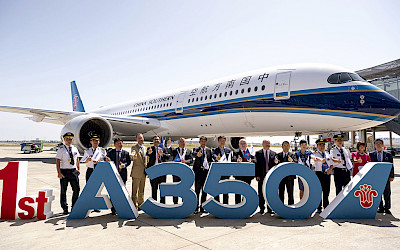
356,77
334,78
344,77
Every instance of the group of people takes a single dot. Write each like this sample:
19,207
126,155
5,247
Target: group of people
339,162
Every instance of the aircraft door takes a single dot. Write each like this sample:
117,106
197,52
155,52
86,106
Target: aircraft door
282,86
179,103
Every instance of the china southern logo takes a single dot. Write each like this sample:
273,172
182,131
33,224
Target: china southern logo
75,101
366,195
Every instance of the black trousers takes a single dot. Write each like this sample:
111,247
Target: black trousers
89,172
124,174
175,179
199,180
225,197
386,197
341,178
325,180
287,182
247,179
70,176
261,200
155,185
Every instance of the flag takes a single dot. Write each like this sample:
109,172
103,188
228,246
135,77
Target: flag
247,154
223,158
161,144
178,158
252,149
205,163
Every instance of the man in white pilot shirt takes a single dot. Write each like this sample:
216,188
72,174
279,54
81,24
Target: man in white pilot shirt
323,172
341,164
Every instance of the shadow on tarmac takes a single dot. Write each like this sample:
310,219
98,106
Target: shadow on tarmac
205,220
51,160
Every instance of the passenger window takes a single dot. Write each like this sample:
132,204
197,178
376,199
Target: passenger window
255,89
248,90
226,93
263,87
242,91
236,92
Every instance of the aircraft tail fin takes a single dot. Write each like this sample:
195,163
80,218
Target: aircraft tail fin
77,104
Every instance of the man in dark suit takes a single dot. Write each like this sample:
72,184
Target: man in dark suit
222,153
202,163
120,158
380,155
238,156
288,181
185,156
156,155
265,160
169,149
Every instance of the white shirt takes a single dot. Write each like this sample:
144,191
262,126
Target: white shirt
100,155
63,156
335,153
318,164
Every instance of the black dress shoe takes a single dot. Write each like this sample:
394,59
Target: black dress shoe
261,211
270,212
202,210
113,212
380,211
196,211
65,212
319,211
387,211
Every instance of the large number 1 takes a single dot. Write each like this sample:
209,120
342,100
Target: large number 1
14,177
214,187
181,189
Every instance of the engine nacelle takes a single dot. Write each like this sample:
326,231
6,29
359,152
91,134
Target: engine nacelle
85,126
231,142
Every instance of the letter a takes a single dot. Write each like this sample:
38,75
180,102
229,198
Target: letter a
361,197
104,175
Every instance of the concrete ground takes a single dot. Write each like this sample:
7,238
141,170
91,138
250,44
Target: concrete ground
103,230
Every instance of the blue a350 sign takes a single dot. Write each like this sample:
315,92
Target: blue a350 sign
348,204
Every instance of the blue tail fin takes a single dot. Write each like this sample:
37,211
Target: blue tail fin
77,104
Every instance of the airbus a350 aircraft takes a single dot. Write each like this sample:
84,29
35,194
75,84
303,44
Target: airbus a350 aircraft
311,98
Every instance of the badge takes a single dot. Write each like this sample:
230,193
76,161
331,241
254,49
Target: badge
342,162
69,159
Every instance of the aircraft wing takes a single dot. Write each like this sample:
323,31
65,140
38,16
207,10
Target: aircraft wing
42,115
122,125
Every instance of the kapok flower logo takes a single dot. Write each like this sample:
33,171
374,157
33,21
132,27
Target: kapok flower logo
366,195
75,101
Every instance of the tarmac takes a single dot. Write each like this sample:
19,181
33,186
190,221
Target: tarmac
201,231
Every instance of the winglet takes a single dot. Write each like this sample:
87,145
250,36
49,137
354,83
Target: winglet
77,104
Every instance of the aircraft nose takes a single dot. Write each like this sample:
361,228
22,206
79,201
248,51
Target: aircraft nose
391,104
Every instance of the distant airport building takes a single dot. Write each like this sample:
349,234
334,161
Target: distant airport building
387,77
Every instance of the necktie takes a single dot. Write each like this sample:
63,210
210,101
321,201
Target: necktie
266,160
118,158
379,156
158,156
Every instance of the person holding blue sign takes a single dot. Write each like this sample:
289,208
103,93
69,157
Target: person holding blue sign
288,181
93,155
138,175
68,170
323,172
156,155
202,163
304,157
184,155
242,155
380,155
221,154
342,165
264,162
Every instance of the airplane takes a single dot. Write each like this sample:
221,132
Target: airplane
308,98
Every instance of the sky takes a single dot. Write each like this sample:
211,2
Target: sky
118,51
